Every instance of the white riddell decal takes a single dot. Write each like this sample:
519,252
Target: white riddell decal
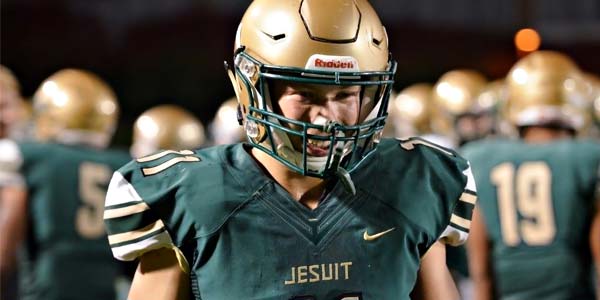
332,63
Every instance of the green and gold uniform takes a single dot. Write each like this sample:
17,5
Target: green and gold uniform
66,256
537,201
244,237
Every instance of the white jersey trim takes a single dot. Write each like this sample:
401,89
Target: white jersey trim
453,236
11,161
120,191
134,250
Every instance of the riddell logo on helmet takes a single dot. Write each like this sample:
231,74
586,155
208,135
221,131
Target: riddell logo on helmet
332,63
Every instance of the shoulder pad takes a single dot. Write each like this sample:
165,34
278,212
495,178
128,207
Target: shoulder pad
431,183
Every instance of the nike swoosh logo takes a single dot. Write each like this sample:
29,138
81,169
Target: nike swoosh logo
368,237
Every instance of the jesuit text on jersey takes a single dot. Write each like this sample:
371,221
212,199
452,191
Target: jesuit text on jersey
321,272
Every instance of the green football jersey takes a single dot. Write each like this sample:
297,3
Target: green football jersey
537,201
244,237
66,256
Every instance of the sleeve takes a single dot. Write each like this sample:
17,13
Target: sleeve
144,209
457,231
132,227
11,161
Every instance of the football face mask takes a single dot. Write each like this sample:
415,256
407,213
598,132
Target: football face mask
274,134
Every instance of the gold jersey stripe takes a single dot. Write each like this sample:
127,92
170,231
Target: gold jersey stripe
167,164
469,198
125,211
163,153
134,234
410,144
462,222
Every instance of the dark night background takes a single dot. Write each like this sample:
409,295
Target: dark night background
159,51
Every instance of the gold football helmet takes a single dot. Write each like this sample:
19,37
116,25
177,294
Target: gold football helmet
410,112
166,127
338,42
75,106
457,90
225,128
543,90
456,96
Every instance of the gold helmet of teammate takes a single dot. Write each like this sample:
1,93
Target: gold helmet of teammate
411,112
225,127
543,90
75,106
337,42
166,127
456,96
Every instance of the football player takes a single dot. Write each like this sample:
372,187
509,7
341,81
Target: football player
539,195
316,205
56,189
166,127
456,95
14,111
225,128
412,113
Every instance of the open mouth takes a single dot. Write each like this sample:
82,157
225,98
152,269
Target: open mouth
317,148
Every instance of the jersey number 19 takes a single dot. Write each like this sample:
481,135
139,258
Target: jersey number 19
525,191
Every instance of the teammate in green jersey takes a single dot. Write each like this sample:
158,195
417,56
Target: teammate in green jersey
538,217
316,205
56,189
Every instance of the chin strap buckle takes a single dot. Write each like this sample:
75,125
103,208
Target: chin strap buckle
341,173
344,176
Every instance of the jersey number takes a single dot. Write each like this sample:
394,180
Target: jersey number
525,191
89,222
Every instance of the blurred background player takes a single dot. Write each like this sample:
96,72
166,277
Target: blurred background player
412,113
14,115
14,110
539,195
456,96
225,127
56,188
166,127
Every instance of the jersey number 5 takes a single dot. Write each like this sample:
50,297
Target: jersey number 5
526,190
88,221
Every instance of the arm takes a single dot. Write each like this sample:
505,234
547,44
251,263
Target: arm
595,245
479,261
434,280
159,276
13,212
